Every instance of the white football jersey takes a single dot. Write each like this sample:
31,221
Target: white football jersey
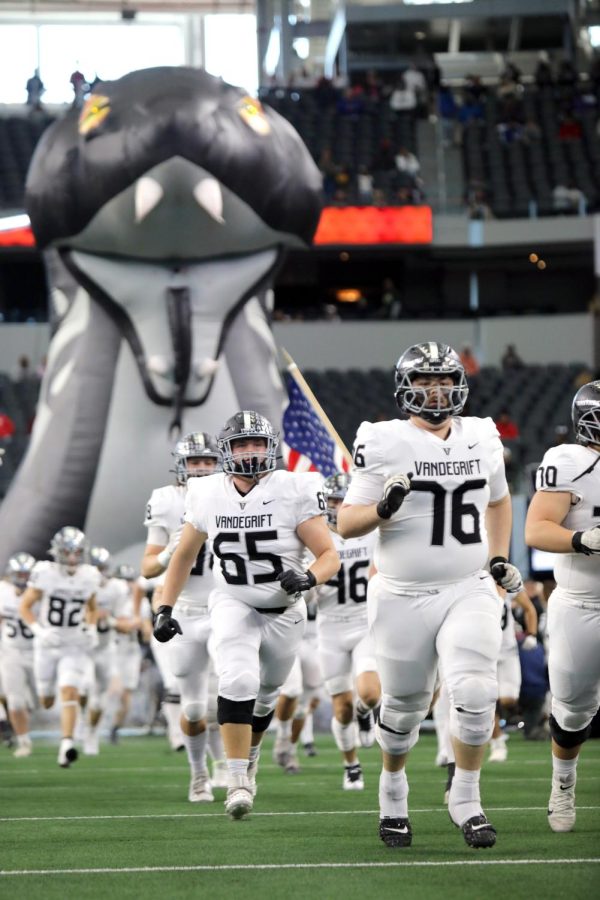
165,510
254,535
13,631
345,594
575,469
64,596
110,597
438,536
509,637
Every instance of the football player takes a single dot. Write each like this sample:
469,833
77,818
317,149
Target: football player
564,518
435,489
111,598
260,522
509,666
346,651
196,455
16,641
65,630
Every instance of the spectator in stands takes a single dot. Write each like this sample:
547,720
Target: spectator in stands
531,132
567,74
7,427
543,71
350,103
373,85
415,80
471,110
391,300
379,197
328,170
510,132
35,88
568,198
478,207
407,162
512,73
561,435
507,87
511,359
569,129
364,185
475,88
469,360
403,99
80,87
534,687
23,372
448,112
325,93
507,427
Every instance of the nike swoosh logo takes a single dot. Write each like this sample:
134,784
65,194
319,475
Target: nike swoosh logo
296,621
565,787
396,830
268,501
479,827
482,577
470,446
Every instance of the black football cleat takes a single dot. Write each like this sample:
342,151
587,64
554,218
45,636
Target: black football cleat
478,832
395,832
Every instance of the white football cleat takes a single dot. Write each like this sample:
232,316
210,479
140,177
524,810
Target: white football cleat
252,773
24,748
200,789
498,750
281,750
66,753
353,778
561,807
91,743
238,802
292,766
218,779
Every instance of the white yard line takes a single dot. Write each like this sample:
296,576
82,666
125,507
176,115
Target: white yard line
309,812
271,866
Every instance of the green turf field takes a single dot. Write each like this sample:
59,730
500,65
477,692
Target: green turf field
120,825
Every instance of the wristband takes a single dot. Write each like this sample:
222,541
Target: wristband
576,544
164,557
36,629
311,578
498,559
165,610
383,510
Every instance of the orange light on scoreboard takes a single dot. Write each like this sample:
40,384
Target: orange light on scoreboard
375,225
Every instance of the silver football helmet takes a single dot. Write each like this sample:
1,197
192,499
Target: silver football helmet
585,413
100,558
196,445
248,424
430,358
335,488
18,569
69,547
127,573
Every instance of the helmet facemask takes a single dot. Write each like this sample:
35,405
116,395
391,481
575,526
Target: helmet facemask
586,414
248,426
335,489
196,445
100,558
69,548
431,360
18,569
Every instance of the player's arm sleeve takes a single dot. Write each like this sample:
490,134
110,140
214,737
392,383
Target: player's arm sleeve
557,472
156,520
194,508
368,478
311,500
38,577
498,483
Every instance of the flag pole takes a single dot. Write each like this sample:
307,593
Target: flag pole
300,380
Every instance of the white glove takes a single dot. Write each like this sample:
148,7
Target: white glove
394,491
164,557
506,575
587,542
92,639
529,643
47,637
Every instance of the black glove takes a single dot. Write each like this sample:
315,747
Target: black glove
394,491
505,574
294,582
165,626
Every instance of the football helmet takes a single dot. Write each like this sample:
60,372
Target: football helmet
127,573
430,358
18,569
100,558
335,488
248,424
69,547
585,413
196,445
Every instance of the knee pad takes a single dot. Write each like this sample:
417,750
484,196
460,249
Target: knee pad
261,723
194,711
266,701
401,716
568,739
338,685
473,705
394,742
234,712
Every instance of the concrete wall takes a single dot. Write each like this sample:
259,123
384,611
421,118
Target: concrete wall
367,345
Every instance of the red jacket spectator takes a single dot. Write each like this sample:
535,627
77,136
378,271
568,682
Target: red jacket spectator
7,426
507,427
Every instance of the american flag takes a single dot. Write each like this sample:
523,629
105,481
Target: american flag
307,445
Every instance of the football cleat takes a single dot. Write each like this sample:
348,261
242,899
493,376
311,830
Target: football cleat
561,807
114,734
218,779
353,778
292,766
477,832
450,768
91,743
200,789
66,753
24,748
281,750
395,832
252,773
238,802
310,749
366,729
498,749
